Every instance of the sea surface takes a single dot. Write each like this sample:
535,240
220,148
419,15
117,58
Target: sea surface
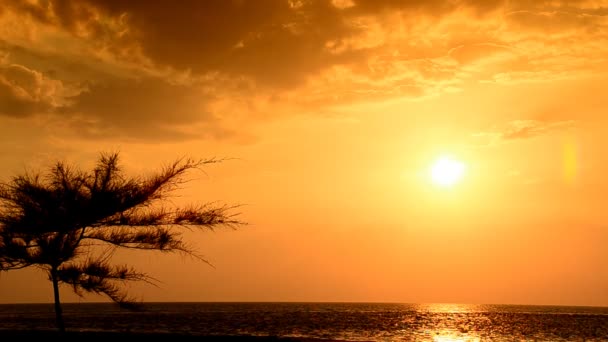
343,321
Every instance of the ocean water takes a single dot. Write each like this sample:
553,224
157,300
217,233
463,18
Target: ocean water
343,321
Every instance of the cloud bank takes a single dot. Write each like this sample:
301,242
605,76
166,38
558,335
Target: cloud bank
201,69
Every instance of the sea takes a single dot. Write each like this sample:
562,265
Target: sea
335,321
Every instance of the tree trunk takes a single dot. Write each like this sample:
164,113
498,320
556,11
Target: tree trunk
58,311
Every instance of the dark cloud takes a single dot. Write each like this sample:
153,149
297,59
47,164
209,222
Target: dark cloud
97,100
102,104
144,108
24,92
17,106
78,17
274,42
81,126
151,68
122,102
433,7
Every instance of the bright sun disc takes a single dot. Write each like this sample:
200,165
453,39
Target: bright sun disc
446,171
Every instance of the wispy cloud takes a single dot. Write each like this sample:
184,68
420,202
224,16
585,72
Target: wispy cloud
523,129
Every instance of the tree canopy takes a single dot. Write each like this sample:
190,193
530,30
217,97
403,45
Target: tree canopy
52,219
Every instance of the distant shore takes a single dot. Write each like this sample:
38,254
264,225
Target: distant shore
85,336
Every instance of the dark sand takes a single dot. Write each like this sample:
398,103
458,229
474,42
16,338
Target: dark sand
109,336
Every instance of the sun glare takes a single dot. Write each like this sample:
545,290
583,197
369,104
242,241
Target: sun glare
446,171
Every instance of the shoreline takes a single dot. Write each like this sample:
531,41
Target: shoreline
76,335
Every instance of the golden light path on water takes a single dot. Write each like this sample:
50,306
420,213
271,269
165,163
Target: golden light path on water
450,335
448,308
451,338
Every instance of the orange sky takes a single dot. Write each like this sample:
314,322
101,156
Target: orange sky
333,112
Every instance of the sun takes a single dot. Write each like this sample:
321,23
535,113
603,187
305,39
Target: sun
447,171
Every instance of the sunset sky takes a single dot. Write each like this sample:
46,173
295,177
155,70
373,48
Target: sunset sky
331,115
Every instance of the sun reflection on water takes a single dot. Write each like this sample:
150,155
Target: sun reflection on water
448,308
454,338
449,322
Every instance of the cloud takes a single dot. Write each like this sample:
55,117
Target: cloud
274,42
471,53
147,69
523,129
131,107
104,102
152,108
25,92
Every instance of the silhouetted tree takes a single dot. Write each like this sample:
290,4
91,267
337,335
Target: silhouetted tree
56,220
